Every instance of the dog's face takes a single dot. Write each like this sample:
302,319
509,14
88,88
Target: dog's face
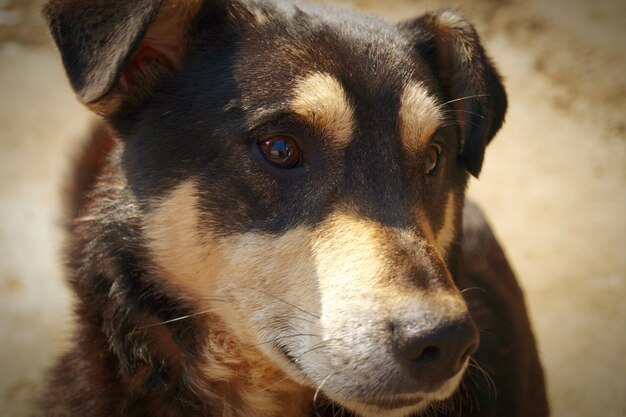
301,173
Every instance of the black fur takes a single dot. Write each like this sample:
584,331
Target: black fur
97,39
202,120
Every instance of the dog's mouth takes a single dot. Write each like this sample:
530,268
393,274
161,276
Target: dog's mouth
390,406
397,404
394,403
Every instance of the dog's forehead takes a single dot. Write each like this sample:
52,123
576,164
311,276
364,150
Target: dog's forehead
316,57
361,96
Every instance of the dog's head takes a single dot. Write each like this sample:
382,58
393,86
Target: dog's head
301,172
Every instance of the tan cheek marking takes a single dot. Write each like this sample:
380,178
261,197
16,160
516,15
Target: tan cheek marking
445,235
420,116
322,101
260,278
258,268
203,268
245,270
185,254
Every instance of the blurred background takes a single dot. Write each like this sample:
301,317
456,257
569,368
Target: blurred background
554,187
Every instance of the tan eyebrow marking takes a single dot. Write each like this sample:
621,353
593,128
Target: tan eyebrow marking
420,116
323,102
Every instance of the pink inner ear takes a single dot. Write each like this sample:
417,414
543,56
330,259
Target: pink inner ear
150,58
161,55
163,47
158,56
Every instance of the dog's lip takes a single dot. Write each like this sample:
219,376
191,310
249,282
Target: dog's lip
394,402
381,404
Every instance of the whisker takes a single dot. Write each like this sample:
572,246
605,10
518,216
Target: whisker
269,387
465,98
297,358
495,337
469,122
174,320
432,410
318,390
466,111
278,339
469,387
294,317
218,299
491,385
472,289
455,122
315,347
283,301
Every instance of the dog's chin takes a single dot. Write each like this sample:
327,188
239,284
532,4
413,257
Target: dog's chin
401,405
390,408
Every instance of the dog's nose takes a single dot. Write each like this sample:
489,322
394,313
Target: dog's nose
433,355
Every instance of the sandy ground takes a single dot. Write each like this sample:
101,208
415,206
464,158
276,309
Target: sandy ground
553,185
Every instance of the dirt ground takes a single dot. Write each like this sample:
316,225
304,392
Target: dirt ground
553,185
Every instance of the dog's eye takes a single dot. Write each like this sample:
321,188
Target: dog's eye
433,154
281,150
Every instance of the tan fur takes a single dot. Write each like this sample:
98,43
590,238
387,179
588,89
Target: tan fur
451,21
334,284
446,233
360,291
322,101
245,383
240,377
427,228
260,17
107,105
444,392
173,230
420,116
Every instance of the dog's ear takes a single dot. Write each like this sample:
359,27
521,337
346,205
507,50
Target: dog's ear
473,87
117,51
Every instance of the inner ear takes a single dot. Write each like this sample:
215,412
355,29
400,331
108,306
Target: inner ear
158,56
117,52
150,60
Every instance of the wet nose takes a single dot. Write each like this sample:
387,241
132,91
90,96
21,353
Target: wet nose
433,354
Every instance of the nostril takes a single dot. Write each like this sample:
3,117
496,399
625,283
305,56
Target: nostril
429,354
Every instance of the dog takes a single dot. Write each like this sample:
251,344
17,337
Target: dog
275,223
